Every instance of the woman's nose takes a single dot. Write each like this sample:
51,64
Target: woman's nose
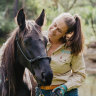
54,29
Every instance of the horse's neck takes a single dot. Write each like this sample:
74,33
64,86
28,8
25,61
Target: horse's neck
19,69
21,86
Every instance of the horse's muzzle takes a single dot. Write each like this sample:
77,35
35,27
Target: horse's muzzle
47,78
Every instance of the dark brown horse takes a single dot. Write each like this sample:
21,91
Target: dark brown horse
25,48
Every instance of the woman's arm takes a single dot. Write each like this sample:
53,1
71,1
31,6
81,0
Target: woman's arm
78,70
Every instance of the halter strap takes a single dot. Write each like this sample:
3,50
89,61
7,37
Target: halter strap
30,60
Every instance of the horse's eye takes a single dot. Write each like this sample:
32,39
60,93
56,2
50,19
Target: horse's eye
27,40
39,39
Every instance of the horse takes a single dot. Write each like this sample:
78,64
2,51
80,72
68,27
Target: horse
25,48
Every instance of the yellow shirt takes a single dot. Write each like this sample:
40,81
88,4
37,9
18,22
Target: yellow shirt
67,68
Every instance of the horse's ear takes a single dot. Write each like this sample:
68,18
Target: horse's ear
40,19
21,19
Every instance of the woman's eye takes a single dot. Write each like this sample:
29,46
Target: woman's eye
54,25
59,30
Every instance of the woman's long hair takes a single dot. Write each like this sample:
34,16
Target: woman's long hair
75,42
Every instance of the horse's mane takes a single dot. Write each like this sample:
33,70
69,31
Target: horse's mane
7,58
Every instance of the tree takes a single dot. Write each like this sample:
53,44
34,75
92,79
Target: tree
15,8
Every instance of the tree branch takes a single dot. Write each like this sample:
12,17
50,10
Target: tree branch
92,24
72,5
93,3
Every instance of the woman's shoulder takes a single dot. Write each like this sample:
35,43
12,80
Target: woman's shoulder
66,48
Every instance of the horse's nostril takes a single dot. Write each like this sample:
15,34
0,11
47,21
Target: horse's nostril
43,75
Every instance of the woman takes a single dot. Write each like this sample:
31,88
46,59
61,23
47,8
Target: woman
65,48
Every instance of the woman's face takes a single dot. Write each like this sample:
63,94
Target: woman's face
57,29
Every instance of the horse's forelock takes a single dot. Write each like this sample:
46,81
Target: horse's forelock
31,25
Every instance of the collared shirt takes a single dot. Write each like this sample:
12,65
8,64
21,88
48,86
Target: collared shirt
67,68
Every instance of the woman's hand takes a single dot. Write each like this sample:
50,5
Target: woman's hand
59,91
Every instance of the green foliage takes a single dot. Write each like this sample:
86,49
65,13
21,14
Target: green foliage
86,9
6,26
31,9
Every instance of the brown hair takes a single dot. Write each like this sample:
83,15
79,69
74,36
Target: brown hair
76,40
8,61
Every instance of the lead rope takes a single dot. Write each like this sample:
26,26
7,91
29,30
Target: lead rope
38,92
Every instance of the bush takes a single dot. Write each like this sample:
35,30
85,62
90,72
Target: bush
6,26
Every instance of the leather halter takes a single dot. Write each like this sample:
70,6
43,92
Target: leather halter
31,60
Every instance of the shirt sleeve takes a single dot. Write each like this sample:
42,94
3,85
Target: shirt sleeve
78,72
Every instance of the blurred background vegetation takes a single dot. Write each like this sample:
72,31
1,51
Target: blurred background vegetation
85,8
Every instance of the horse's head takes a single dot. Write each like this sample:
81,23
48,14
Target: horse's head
31,44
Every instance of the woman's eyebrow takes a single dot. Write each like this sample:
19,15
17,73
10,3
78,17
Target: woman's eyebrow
55,24
58,27
59,30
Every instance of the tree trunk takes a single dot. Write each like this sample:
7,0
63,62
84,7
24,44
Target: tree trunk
15,9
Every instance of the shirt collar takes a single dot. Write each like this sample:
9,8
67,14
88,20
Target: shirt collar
49,44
